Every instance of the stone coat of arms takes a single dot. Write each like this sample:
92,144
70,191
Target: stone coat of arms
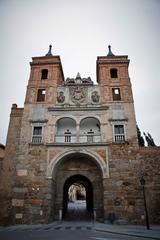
78,94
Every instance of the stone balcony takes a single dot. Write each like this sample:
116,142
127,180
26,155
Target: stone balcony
78,139
85,138
37,139
119,138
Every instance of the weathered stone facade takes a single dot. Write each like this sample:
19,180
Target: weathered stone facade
2,154
74,131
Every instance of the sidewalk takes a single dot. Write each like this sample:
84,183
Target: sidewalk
130,230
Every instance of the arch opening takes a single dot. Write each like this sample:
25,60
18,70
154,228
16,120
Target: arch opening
66,130
90,130
44,74
113,73
77,198
85,170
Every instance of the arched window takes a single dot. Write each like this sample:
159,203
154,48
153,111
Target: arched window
113,73
66,130
44,74
90,130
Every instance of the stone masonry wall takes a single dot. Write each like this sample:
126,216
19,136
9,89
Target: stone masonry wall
123,194
7,176
32,191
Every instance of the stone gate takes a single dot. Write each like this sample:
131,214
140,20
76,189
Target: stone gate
76,131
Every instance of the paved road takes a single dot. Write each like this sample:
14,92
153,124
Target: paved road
77,211
79,231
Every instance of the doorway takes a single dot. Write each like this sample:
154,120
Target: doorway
77,198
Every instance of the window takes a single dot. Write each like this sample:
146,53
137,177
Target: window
116,94
37,131
113,73
119,129
90,136
44,74
67,136
119,135
37,134
41,95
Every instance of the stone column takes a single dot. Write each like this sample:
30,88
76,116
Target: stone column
77,133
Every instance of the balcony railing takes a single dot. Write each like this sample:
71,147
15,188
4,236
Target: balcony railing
87,138
68,138
37,139
119,138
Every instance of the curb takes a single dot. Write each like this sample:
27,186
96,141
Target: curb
127,234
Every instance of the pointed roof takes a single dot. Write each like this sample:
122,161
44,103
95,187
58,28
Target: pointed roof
78,76
110,54
49,51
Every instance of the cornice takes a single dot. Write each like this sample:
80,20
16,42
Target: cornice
102,108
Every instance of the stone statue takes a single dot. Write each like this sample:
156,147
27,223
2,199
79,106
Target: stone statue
60,97
95,96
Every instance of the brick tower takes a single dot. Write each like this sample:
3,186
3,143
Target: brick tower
116,92
46,74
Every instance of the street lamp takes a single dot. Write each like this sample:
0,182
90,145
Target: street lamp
142,181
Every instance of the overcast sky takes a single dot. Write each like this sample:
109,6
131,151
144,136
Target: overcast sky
80,30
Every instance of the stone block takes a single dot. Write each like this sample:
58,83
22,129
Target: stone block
35,210
102,153
17,202
37,202
48,196
130,209
18,166
42,167
22,172
19,216
20,190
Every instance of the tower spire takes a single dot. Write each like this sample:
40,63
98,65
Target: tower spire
78,75
109,51
49,51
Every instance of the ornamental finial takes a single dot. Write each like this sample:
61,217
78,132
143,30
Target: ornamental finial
109,51
49,51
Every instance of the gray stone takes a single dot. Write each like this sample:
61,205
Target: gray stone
20,190
48,196
35,210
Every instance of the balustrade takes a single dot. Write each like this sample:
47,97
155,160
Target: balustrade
37,139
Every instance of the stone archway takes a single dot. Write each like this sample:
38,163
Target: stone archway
78,167
83,213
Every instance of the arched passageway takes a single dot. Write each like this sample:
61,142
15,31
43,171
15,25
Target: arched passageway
78,168
75,208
